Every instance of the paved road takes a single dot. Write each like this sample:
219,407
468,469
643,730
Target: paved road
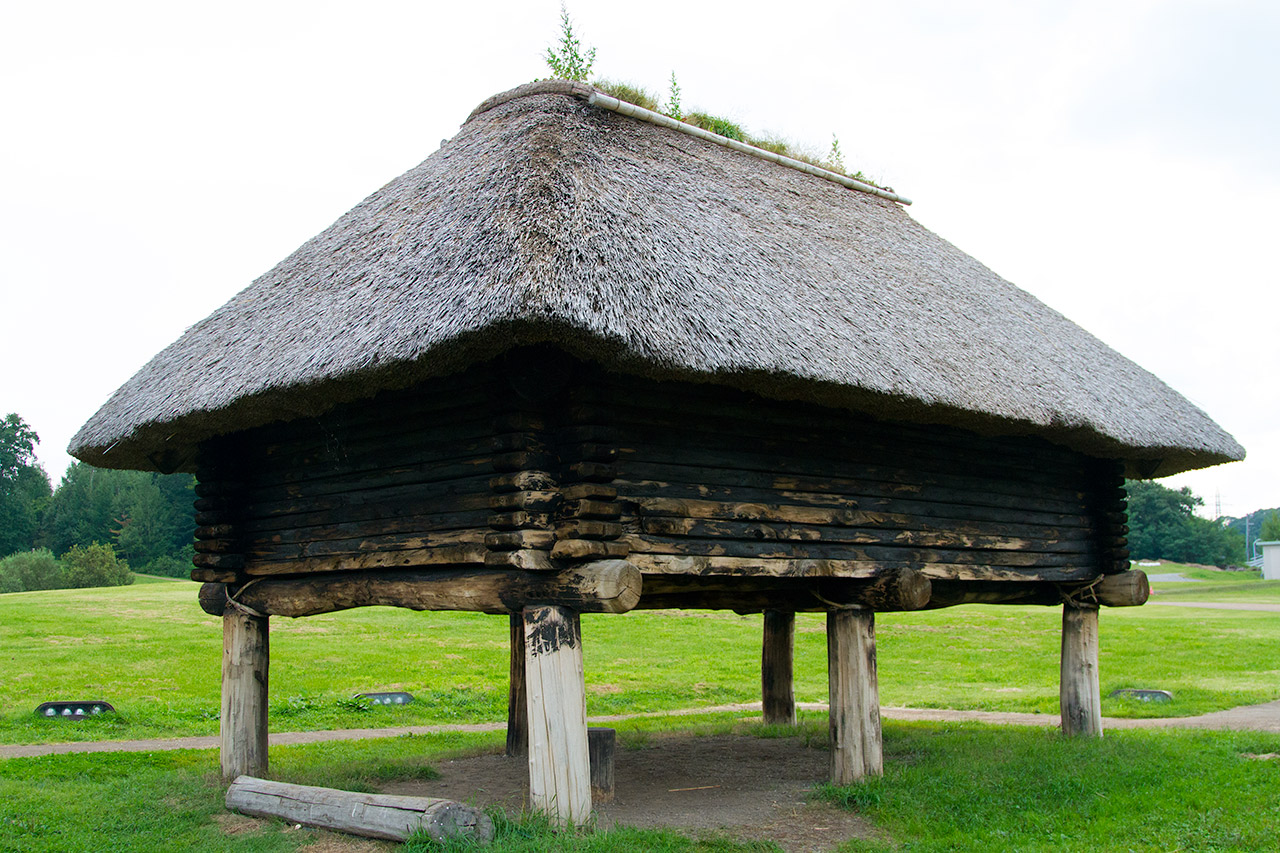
1263,718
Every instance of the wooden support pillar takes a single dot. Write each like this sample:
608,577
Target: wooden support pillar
777,668
246,656
1080,697
856,749
559,767
602,744
517,705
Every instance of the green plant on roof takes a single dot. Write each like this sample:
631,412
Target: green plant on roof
569,62
673,99
628,92
835,159
716,125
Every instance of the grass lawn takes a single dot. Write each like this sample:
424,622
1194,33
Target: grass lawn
150,651
947,787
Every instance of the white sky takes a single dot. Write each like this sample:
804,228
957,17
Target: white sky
1117,159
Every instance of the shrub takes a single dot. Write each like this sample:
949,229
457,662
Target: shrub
30,570
168,566
96,565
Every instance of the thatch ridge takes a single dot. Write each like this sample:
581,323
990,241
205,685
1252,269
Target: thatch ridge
546,220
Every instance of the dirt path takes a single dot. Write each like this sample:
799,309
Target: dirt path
1219,605
1263,718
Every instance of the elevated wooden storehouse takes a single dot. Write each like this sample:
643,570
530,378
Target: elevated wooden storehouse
581,360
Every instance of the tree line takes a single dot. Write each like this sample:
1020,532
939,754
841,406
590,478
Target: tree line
1163,525
94,528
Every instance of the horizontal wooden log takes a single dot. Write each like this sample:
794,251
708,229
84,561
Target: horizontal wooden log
515,540
896,590
523,481
606,586
587,549
372,505
838,551
852,527
1125,589
519,520
591,472
583,529
260,549
214,576
455,555
220,562
528,559
764,488
590,491
590,509
765,567
539,501
385,816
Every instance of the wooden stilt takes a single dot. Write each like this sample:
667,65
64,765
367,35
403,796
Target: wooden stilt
517,706
602,744
777,668
856,750
559,767
1080,696
246,657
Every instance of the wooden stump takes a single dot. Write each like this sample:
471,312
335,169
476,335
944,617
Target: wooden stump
777,668
246,657
559,767
387,816
1080,697
517,705
602,747
856,750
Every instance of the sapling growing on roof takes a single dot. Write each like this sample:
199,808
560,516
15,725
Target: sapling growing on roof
569,62
673,99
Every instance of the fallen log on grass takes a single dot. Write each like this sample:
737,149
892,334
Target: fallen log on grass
370,815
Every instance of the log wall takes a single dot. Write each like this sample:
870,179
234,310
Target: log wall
536,462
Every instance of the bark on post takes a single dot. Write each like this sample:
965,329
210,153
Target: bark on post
856,750
777,668
245,661
1080,696
517,705
559,767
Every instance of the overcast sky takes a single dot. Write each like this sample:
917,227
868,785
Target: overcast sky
1116,159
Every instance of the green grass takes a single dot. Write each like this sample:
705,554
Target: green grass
947,787
151,652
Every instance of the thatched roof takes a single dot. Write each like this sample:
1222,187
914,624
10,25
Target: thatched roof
548,220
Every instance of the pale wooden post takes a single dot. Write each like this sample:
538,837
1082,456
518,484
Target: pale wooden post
559,766
1080,697
856,749
517,705
777,668
246,656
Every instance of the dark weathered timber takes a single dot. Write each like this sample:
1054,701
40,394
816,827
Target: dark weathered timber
372,505
448,555
850,527
514,540
837,551
1122,589
522,481
213,598
219,562
602,747
767,567
898,590
728,469
424,523
517,711
777,668
764,488
394,475
610,586
580,529
258,551
214,576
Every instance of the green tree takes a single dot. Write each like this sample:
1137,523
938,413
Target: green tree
24,486
96,565
1270,527
1163,526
